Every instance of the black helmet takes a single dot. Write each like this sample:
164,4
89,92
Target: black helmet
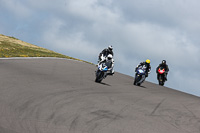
163,61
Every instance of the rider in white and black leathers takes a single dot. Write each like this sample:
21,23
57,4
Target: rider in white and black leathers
165,66
106,52
107,56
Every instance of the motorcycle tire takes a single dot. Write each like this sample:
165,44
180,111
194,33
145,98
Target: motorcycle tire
137,79
99,75
134,83
161,80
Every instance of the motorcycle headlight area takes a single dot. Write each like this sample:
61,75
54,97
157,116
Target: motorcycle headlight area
141,71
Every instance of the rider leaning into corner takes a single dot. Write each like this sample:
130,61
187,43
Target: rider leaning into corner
147,65
107,56
165,66
106,52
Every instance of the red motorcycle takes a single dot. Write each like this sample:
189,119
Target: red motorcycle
161,76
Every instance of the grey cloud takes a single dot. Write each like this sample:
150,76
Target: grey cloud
19,9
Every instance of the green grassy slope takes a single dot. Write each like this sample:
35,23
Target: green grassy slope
13,47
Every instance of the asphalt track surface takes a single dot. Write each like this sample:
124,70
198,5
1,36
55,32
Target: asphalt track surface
60,96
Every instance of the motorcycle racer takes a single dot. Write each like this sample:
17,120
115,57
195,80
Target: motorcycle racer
147,65
165,66
109,61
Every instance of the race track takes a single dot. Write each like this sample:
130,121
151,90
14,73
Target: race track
49,95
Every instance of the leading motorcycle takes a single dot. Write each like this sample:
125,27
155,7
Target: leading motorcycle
102,70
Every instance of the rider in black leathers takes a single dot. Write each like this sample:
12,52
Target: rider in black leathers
165,66
148,66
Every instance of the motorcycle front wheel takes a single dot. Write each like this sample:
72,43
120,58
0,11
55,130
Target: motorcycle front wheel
137,79
99,76
161,80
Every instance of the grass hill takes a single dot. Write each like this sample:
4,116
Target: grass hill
13,47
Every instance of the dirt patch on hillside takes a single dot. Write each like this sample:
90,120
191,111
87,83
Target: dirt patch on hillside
19,42
16,41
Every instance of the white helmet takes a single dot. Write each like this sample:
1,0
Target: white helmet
110,47
109,57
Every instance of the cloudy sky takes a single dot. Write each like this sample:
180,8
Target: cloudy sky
138,30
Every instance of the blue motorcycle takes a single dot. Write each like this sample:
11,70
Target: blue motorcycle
140,75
